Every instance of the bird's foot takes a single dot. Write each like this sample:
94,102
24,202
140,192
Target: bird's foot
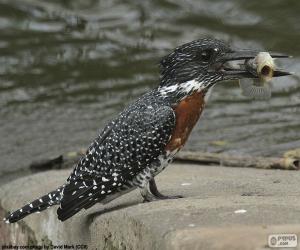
159,196
150,197
152,194
166,197
147,196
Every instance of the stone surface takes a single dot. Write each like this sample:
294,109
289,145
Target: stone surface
223,208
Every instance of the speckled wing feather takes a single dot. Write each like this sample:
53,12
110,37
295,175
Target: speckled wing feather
127,147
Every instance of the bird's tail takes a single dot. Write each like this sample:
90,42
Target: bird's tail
40,204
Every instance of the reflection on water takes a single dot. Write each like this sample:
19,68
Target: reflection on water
67,67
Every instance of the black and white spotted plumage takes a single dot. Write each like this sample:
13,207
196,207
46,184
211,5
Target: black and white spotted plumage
38,205
127,153
131,149
122,157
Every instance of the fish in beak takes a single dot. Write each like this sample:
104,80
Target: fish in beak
230,71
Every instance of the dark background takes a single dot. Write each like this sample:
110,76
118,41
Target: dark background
68,67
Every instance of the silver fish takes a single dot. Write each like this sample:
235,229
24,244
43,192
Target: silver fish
262,66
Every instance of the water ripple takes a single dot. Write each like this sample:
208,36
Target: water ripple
67,67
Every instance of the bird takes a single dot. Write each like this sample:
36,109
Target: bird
140,142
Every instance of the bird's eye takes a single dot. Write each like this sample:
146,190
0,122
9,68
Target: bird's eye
206,55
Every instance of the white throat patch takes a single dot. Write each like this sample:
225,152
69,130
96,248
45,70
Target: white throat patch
192,85
186,87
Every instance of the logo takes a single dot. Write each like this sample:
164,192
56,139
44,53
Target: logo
282,240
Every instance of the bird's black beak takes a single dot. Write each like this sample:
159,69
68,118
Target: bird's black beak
231,72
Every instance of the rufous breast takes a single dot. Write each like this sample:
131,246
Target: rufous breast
187,113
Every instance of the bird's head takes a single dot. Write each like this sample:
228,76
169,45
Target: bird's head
198,65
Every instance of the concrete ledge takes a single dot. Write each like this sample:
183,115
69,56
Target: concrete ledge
223,208
230,237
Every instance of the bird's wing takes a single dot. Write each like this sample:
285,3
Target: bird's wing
127,146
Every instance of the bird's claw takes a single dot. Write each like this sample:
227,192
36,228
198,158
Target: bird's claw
156,193
166,197
149,197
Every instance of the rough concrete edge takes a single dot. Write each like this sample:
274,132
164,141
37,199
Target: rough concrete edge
246,237
125,216
112,236
33,230
17,233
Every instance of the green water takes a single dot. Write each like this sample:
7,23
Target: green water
69,66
